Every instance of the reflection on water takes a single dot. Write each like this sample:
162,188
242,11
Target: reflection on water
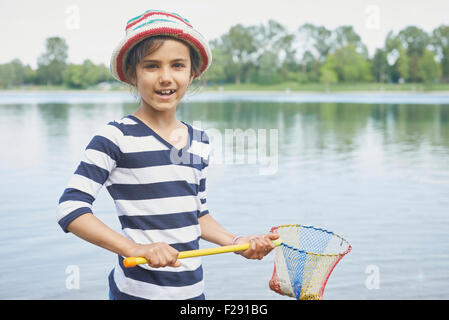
378,174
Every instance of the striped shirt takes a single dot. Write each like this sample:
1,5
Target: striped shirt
159,193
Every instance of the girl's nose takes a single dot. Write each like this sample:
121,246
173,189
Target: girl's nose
165,76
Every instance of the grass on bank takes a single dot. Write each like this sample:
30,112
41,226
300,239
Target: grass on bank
342,87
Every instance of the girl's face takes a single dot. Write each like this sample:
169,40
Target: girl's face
164,75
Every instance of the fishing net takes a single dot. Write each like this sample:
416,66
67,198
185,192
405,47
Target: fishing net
305,260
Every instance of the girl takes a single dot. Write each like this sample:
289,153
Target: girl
154,167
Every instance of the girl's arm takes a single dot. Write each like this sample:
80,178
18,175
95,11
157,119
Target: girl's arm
93,230
212,231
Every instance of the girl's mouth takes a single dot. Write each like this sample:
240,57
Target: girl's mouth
165,93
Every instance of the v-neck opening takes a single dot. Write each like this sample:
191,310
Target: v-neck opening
162,140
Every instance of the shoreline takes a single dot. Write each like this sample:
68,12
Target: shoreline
204,96
234,92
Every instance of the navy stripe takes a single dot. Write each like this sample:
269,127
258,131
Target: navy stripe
203,213
76,195
91,171
163,278
64,222
152,190
160,221
132,130
105,145
118,295
144,159
200,297
202,186
186,246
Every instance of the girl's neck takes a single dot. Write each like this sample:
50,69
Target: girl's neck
157,119
165,125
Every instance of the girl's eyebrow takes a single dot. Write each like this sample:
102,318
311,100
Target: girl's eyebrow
174,60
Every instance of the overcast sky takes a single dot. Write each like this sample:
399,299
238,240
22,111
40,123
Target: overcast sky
92,28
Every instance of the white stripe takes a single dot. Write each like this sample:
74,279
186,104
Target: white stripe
157,206
84,184
110,132
203,207
154,174
99,159
139,144
154,292
200,149
69,206
170,236
127,121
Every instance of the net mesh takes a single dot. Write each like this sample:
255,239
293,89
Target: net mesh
305,260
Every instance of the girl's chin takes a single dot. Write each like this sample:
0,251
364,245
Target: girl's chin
160,106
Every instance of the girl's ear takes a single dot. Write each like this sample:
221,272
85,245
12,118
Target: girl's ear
133,81
192,77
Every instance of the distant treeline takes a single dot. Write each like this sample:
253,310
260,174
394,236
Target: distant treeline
53,69
269,54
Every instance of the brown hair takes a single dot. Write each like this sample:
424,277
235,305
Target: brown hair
150,45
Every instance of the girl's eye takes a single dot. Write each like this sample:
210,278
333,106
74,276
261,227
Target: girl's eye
178,65
150,66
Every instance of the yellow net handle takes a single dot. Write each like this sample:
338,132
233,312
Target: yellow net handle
133,261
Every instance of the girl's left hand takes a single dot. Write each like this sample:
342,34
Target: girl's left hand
260,245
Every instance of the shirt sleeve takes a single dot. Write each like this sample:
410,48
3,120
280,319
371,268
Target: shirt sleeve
205,167
99,158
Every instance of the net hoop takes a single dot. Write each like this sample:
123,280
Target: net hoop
300,271
274,230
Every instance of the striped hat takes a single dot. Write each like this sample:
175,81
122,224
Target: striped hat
157,23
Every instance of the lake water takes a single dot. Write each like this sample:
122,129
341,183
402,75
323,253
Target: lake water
371,168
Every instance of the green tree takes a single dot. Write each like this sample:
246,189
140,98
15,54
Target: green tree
91,73
268,68
311,66
397,58
316,38
379,65
239,44
345,36
217,71
429,69
15,73
73,76
52,63
402,64
86,75
6,75
275,39
328,75
440,41
415,42
350,65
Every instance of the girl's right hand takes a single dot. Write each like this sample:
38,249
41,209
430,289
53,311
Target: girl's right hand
159,254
